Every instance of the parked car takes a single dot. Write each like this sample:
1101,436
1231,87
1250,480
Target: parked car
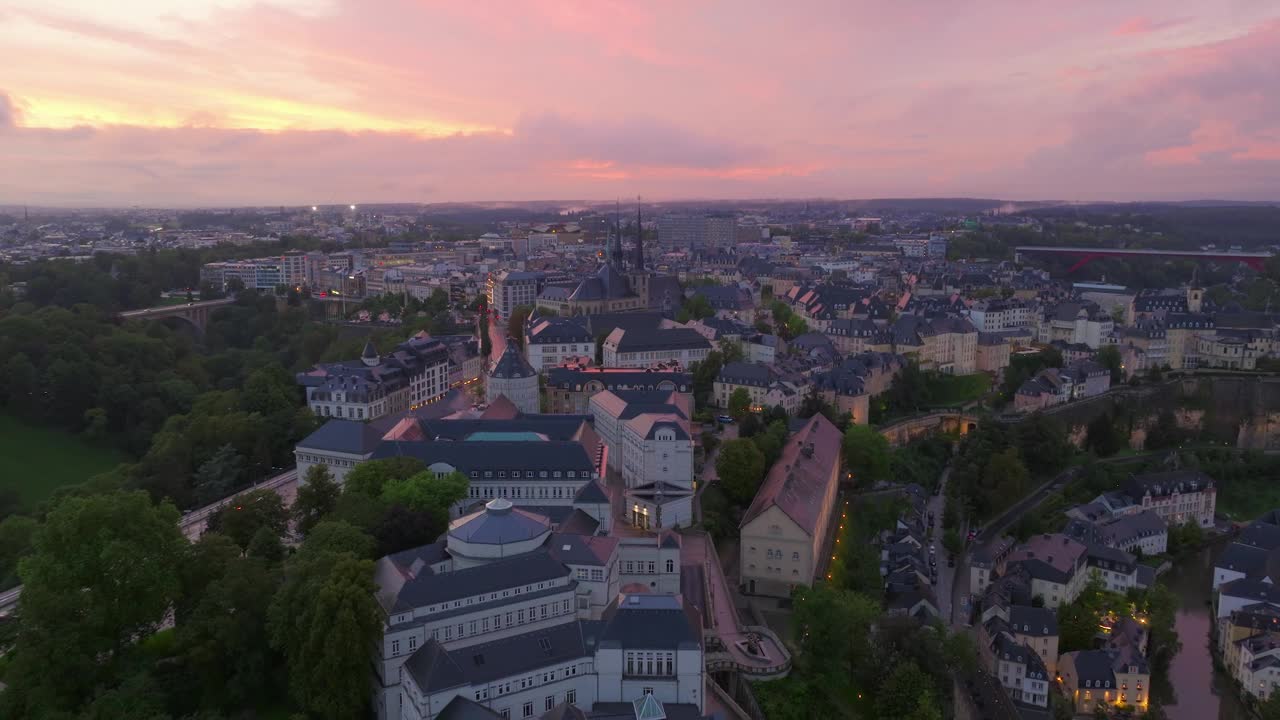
724,419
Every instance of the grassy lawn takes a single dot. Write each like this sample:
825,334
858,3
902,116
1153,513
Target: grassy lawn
958,389
36,461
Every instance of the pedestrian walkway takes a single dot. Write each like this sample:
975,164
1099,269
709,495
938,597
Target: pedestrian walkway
754,650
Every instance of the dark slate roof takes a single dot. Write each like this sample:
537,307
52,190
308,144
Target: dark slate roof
744,373
432,668
605,323
627,711
345,436
1027,620
461,708
505,657
591,493
1251,589
1093,669
558,330
638,340
654,622
512,364
1160,484
419,586
498,524
578,523
504,456
582,550
554,427
570,379
564,711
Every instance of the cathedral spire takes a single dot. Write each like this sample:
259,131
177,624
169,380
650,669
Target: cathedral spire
638,264
614,252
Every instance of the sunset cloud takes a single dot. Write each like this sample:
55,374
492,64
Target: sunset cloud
300,102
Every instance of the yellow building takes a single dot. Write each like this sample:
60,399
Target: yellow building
783,533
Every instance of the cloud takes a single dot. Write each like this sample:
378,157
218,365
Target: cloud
269,102
8,112
1145,26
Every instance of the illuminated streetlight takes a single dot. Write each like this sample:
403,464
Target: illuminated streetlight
314,208
353,208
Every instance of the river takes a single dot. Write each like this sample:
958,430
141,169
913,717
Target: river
1195,691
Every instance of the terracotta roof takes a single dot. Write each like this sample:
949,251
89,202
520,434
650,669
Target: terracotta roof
798,481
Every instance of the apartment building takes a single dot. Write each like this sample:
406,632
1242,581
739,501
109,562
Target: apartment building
644,348
414,374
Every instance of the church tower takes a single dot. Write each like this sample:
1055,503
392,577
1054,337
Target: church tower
638,264
614,255
1195,294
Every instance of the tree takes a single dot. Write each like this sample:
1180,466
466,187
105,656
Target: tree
833,629
1109,358
1103,437
705,373
740,467
1187,536
732,351
224,640
401,528
324,619
368,477
1007,475
17,533
265,545
103,573
219,475
515,324
317,498
951,542
138,697
1269,709
241,518
866,453
334,537
906,688
425,492
739,403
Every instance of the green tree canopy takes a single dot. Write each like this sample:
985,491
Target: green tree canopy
739,403
866,454
368,477
740,467
241,518
104,572
218,476
426,492
317,498
324,619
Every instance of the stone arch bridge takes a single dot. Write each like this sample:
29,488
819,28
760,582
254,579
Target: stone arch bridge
195,314
942,422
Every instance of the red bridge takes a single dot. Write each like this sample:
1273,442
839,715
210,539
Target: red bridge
1085,255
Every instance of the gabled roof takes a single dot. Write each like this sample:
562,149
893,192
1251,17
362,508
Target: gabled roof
798,482
344,436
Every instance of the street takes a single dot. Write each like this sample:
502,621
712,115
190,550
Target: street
946,576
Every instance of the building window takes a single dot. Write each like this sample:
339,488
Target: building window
571,696
528,710
550,701
395,647
671,566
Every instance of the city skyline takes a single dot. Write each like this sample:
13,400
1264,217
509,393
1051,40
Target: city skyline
300,103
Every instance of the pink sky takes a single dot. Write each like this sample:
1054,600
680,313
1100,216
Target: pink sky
191,102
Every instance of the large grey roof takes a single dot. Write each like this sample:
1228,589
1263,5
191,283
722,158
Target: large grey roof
639,340
345,436
421,587
477,664
496,456
462,708
558,330
1028,620
582,549
569,378
512,364
744,373
499,524
656,622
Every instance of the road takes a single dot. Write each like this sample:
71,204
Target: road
194,523
730,432
946,576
